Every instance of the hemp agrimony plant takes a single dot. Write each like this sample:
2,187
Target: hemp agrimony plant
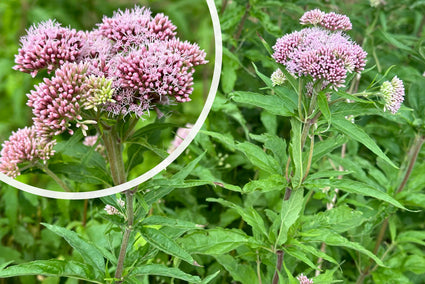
301,209
105,82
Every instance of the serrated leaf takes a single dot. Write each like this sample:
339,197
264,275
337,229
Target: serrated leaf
89,252
240,272
270,183
162,242
169,222
300,255
249,215
297,158
259,158
226,139
58,268
358,134
358,188
161,270
271,103
289,214
322,102
314,251
216,241
335,239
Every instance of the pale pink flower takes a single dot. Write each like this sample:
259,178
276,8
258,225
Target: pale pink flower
58,101
24,145
181,134
312,17
331,21
321,54
48,45
304,280
393,94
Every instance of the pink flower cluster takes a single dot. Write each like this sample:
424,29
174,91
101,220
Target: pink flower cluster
304,279
330,21
320,53
393,94
48,45
24,145
130,63
56,102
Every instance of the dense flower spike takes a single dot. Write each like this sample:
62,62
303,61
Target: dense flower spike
312,17
393,94
24,145
330,21
162,69
58,101
304,280
321,54
48,45
334,22
136,27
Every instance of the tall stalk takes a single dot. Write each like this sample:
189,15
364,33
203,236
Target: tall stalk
113,145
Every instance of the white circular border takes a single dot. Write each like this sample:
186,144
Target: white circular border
163,164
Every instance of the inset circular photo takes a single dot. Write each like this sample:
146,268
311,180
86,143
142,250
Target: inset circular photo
95,104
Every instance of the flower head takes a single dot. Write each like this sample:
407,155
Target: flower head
161,69
136,27
393,94
278,78
24,145
58,101
330,21
312,17
48,45
321,54
181,134
304,280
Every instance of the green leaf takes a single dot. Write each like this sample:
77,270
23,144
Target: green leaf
271,103
226,139
145,131
314,251
216,241
297,158
417,237
266,79
242,273
358,188
249,215
335,239
340,219
289,214
322,102
162,242
300,255
275,144
259,158
270,183
90,253
161,270
358,134
59,268
169,222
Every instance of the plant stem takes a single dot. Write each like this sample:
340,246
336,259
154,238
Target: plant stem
54,177
114,152
279,262
259,269
413,155
126,237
